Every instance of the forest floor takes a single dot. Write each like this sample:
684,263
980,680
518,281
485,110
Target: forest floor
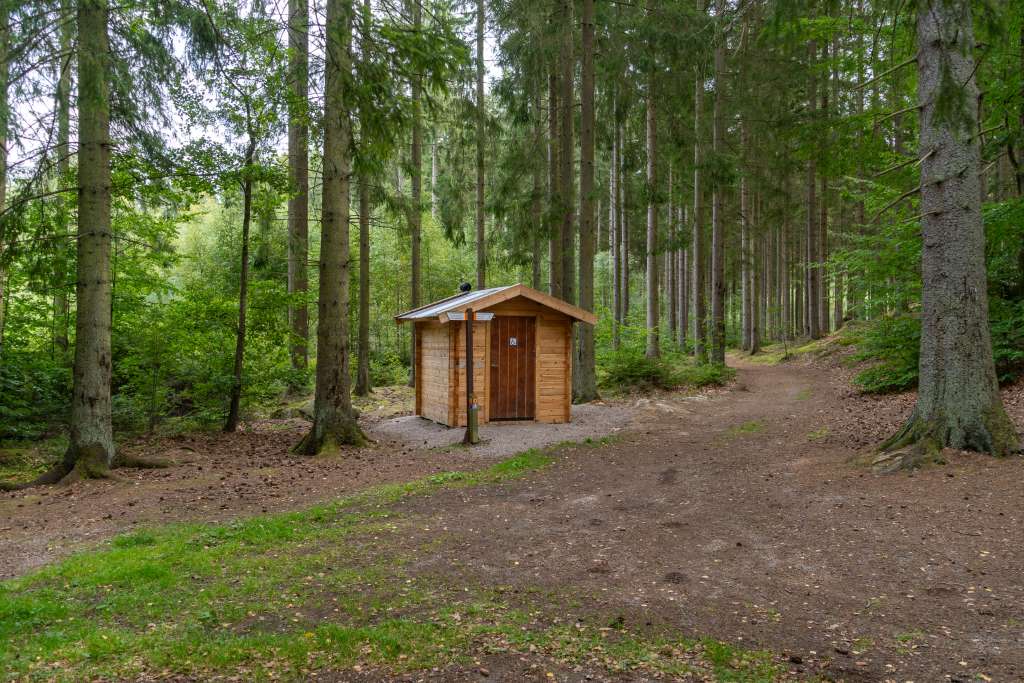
733,516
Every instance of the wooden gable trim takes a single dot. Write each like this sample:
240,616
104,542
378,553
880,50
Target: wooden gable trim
529,293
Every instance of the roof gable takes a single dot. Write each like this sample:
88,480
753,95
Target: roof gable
484,298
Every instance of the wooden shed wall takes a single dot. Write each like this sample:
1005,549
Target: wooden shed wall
433,360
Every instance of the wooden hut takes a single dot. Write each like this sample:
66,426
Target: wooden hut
522,341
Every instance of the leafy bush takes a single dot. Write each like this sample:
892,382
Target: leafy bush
386,369
35,391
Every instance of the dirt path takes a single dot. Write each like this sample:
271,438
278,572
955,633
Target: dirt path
739,517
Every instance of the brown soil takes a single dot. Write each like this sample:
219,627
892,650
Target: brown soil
736,514
740,517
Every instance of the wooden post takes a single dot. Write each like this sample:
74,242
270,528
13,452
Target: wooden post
472,431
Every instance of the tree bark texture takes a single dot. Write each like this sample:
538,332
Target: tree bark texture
958,402
334,423
298,180
585,373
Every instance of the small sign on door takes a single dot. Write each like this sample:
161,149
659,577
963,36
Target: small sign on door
512,341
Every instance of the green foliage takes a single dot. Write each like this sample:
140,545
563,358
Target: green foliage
629,369
892,345
36,390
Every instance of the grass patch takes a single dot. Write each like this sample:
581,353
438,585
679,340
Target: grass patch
818,434
752,427
283,595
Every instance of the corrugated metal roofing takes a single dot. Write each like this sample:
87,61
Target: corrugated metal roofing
437,308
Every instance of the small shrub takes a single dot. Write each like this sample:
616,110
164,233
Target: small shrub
893,346
631,370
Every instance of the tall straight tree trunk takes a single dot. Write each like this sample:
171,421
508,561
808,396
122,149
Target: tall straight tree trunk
416,183
481,244
615,230
566,155
60,296
537,197
626,202
958,401
554,190
333,421
671,257
585,374
91,450
5,121
363,386
812,319
717,200
697,242
298,179
684,286
231,424
653,342
746,309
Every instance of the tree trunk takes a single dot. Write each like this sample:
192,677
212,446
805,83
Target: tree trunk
363,386
231,424
653,345
585,374
537,197
697,242
333,421
615,230
91,450
481,245
416,183
566,155
958,401
717,208
298,180
745,252
812,318
554,191
672,261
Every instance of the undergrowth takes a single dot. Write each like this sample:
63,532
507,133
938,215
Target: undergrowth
630,370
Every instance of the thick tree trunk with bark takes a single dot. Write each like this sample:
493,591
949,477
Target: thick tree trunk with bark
958,402
91,451
537,197
363,386
653,329
481,244
812,318
615,230
334,422
585,373
566,155
697,242
717,201
554,190
416,188
298,179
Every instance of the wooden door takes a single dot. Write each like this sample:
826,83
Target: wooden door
513,368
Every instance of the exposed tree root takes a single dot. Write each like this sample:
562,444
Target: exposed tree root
327,440
138,462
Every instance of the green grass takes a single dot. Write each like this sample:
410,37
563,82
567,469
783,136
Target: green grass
752,427
286,594
818,434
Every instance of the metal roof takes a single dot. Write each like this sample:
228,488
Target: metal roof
453,302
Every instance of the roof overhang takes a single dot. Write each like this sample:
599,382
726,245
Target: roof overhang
441,311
